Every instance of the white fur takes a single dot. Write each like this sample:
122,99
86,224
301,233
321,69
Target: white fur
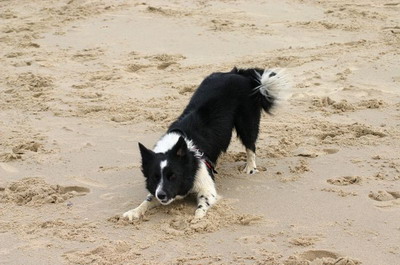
163,164
204,187
251,167
139,211
170,139
277,86
159,187
166,142
203,180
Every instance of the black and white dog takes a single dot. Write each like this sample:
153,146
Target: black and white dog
182,161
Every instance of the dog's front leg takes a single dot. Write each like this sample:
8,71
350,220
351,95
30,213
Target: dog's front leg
204,187
204,202
139,211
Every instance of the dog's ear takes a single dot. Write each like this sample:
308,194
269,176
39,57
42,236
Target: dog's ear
180,149
147,155
234,70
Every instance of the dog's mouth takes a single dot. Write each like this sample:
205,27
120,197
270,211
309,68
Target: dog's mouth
166,201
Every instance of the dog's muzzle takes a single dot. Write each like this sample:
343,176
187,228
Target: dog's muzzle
162,198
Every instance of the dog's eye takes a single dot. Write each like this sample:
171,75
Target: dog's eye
171,176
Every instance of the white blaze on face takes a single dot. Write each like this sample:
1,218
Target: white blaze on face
163,164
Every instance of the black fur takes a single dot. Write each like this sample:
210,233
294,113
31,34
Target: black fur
222,102
182,167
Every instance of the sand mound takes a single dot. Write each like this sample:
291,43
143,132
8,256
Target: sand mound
70,231
384,195
340,192
7,157
220,215
326,104
187,225
344,181
32,82
181,219
29,146
386,199
304,241
320,257
22,148
118,252
302,167
118,220
36,192
82,232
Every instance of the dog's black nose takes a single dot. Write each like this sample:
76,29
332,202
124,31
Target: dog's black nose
161,195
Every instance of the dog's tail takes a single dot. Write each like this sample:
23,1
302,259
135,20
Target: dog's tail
270,86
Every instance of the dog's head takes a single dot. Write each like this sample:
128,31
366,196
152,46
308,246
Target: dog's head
169,174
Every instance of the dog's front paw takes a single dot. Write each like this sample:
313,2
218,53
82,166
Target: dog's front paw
133,214
200,213
250,170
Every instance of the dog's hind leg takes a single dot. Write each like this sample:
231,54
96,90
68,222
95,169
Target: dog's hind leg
139,211
247,130
251,166
204,187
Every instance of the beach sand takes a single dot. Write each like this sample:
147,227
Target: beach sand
82,82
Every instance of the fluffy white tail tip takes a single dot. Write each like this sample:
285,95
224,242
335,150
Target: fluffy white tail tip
275,85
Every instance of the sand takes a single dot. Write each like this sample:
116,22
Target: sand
82,82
